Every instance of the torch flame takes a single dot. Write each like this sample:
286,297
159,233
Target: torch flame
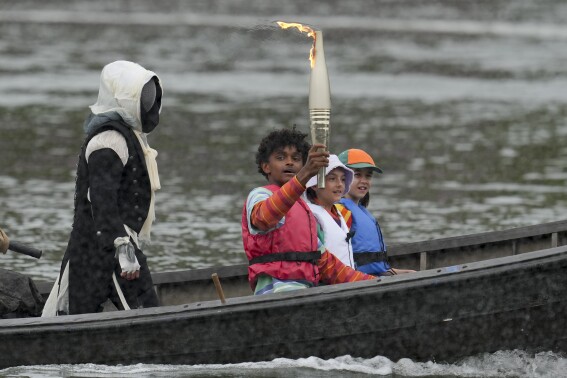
303,29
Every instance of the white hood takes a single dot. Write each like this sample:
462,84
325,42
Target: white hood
120,90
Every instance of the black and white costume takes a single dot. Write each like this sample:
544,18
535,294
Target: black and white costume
114,198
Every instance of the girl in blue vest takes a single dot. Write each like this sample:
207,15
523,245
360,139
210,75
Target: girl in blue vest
369,247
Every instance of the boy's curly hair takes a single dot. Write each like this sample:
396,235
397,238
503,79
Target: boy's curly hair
280,139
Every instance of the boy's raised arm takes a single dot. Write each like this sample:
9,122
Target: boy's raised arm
267,213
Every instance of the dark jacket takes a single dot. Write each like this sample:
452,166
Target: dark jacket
118,195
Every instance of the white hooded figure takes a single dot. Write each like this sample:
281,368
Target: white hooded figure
114,198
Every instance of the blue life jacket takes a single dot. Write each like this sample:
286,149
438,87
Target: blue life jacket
369,248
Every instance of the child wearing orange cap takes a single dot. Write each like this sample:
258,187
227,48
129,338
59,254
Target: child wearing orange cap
279,231
369,247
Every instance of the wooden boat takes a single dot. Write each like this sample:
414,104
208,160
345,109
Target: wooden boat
476,293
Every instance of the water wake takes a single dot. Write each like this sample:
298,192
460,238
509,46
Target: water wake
500,364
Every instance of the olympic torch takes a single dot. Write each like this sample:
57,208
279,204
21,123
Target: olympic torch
319,91
319,100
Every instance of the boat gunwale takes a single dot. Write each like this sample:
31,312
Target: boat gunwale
478,238
403,249
395,250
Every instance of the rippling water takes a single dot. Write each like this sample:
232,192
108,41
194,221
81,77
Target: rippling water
463,104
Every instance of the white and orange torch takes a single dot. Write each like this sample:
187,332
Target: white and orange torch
319,91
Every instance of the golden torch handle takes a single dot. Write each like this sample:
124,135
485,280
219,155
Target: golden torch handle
320,132
321,178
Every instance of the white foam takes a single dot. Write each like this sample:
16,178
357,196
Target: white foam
500,364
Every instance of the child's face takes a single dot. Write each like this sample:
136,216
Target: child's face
334,188
361,183
283,164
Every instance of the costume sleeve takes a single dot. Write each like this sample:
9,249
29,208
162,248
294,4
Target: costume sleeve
266,214
105,175
333,271
108,139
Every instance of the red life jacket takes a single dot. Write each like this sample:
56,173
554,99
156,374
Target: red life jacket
298,234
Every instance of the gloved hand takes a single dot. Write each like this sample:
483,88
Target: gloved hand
125,252
4,241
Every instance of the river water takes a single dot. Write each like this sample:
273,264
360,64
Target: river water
463,104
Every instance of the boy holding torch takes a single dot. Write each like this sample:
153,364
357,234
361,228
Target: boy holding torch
279,231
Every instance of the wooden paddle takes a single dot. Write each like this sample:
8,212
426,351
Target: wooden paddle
24,249
218,286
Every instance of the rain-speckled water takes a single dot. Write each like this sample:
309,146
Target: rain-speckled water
462,103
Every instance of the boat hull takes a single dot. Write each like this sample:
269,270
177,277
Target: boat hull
516,302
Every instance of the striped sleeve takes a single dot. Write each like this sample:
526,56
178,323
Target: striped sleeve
266,214
346,213
333,271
